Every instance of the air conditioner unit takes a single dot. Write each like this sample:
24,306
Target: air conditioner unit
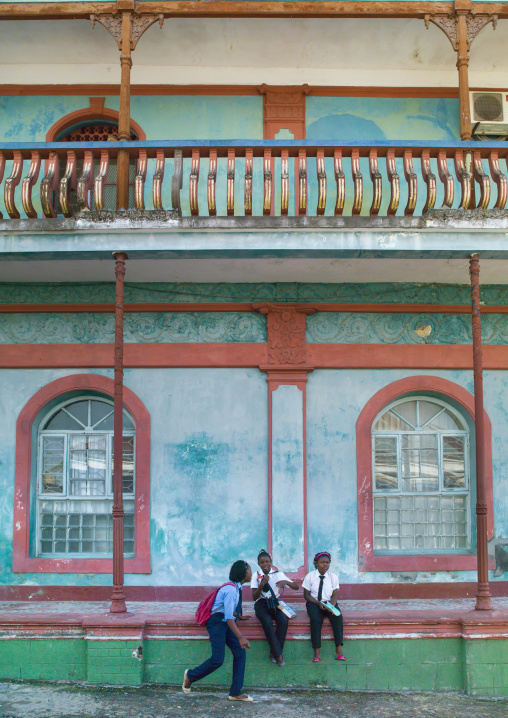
489,113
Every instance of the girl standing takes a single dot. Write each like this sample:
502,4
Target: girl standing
223,631
319,586
266,585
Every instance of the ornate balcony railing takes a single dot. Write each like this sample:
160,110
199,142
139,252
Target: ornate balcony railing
260,178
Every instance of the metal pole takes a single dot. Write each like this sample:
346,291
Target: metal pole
483,598
118,596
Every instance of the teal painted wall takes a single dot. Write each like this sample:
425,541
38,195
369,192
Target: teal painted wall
209,426
171,117
382,118
364,119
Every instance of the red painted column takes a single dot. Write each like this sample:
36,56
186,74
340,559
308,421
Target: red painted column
118,596
483,598
287,366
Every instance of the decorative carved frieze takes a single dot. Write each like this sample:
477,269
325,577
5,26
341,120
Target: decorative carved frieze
140,23
285,327
449,24
284,108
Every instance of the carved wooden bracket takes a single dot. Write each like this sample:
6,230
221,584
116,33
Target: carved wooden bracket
140,23
449,24
286,325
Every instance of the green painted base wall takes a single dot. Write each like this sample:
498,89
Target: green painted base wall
478,667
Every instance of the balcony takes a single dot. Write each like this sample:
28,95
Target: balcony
256,179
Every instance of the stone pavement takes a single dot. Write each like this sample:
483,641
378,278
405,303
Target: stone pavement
22,700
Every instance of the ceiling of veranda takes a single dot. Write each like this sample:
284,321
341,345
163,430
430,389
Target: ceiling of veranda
442,271
342,51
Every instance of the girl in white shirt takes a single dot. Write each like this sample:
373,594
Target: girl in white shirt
319,586
266,585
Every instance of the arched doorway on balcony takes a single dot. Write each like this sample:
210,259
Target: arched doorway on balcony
95,123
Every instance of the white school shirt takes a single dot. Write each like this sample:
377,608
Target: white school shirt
311,583
274,576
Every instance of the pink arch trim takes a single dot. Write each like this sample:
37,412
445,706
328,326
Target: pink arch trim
21,560
89,114
367,561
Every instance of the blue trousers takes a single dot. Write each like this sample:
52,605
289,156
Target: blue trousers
221,636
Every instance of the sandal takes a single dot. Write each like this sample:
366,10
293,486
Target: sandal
316,660
340,657
245,698
185,689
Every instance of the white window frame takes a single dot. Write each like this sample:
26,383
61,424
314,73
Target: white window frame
440,491
65,496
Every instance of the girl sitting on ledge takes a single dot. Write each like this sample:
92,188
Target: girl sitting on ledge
266,585
320,589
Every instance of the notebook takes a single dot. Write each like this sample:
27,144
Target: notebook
286,609
333,609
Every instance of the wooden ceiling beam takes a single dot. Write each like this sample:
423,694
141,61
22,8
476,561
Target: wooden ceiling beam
245,8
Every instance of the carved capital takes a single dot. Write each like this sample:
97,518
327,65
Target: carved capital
139,25
285,325
449,25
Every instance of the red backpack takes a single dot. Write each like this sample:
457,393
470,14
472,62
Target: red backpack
204,610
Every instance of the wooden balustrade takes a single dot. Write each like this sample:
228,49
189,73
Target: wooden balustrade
348,180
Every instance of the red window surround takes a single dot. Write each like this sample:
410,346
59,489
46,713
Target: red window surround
21,561
367,561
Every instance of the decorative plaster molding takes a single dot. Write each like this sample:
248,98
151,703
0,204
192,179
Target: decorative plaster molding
286,328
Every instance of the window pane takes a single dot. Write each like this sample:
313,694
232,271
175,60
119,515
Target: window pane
79,411
454,465
407,410
52,465
427,410
420,467
423,523
82,531
62,422
103,413
88,465
391,422
443,422
127,464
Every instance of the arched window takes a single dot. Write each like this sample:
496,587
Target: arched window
421,477
415,448
75,479
95,123
98,131
63,488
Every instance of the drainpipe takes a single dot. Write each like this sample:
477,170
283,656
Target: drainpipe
118,596
483,598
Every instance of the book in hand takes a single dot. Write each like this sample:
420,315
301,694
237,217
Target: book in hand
286,609
333,609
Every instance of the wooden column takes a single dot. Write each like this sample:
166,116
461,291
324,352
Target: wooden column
118,596
463,69
483,598
124,117
461,28
126,26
